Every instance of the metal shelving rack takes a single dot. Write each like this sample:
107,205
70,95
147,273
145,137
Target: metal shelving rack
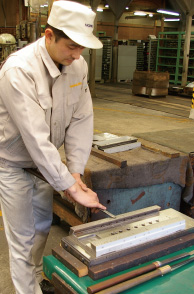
144,50
106,58
170,56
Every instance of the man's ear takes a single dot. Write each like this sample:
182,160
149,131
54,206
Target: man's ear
49,35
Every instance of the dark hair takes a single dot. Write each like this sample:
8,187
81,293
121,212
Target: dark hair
58,33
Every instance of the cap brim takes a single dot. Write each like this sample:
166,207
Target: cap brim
89,41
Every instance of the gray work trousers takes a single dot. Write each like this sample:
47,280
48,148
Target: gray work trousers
26,204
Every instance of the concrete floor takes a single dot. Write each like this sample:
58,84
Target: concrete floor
117,111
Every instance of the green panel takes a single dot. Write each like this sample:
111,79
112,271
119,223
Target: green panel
51,265
180,281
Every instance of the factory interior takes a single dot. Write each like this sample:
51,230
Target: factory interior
141,163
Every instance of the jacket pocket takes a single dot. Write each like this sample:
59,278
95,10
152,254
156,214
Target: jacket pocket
74,94
16,145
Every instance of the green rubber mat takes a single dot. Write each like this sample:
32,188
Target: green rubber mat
180,281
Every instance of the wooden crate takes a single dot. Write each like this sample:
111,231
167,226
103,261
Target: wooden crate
151,84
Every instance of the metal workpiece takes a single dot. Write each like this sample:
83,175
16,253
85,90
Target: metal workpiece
123,237
107,239
108,213
106,223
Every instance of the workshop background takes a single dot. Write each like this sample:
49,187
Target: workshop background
142,86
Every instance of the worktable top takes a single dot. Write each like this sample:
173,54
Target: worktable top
180,281
144,168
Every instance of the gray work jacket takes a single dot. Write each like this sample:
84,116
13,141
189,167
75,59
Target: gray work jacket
40,109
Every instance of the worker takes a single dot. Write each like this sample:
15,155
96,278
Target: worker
45,102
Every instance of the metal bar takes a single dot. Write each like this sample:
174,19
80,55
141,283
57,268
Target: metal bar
136,281
176,258
144,278
127,276
116,280
108,213
182,263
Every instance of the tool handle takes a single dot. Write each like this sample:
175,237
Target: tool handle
121,278
36,173
136,281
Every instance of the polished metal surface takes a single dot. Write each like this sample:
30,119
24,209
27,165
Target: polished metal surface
108,213
108,238
135,234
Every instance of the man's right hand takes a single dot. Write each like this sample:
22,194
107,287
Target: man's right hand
87,198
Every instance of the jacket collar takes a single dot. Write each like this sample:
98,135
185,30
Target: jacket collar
49,63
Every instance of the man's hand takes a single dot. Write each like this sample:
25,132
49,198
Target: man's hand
79,181
85,197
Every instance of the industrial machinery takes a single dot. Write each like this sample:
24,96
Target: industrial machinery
7,46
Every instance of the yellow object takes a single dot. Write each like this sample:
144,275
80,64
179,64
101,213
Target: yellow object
75,85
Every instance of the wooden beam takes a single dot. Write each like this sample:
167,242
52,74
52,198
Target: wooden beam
61,287
66,214
166,151
71,262
107,157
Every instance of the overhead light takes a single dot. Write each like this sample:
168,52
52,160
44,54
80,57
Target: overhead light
107,6
99,9
150,15
168,12
127,7
172,19
141,13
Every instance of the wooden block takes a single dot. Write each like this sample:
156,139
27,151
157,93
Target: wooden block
107,157
136,258
71,262
166,151
61,287
66,214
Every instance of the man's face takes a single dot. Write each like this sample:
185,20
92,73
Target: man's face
64,51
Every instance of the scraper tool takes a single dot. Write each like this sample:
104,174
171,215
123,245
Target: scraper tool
108,213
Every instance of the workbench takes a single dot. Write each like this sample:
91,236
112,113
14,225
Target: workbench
177,282
153,175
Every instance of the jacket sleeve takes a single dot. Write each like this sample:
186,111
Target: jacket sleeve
79,134
20,99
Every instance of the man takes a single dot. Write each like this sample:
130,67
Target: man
44,102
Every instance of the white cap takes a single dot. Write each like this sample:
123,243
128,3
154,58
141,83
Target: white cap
76,21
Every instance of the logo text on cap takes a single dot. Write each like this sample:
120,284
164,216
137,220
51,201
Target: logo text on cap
88,25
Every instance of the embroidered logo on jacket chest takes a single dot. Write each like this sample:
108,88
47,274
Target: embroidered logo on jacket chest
75,85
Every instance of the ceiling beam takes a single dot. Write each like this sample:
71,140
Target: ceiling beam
186,6
118,7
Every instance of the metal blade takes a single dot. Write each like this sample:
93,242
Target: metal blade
182,263
175,258
108,213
